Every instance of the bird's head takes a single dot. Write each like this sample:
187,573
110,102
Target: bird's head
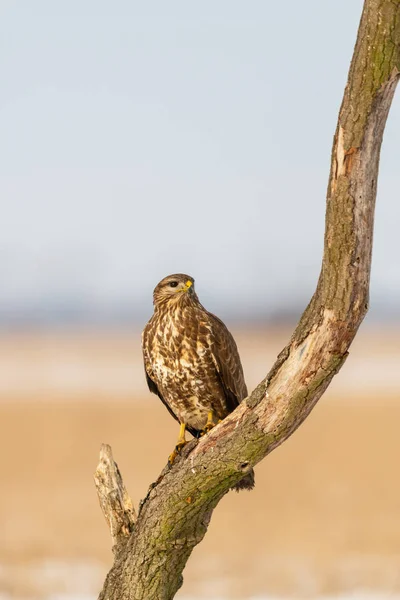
174,288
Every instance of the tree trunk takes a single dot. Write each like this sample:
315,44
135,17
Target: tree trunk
174,516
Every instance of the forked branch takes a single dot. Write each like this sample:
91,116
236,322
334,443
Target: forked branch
175,514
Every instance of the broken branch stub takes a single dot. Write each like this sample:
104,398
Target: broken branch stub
114,499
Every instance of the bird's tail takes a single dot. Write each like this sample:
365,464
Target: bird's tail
247,483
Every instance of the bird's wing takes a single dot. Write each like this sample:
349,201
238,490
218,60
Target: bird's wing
154,389
227,362
147,367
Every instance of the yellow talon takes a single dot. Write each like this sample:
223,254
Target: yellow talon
179,445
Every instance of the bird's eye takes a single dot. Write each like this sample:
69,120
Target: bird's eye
173,284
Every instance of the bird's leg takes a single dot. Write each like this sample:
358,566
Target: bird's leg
179,445
210,422
181,439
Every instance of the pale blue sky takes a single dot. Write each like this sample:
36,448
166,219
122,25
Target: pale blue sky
144,138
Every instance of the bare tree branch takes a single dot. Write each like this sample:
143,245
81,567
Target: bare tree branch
115,502
176,512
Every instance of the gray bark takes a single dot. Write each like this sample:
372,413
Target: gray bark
176,512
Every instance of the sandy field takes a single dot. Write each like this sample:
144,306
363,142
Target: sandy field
324,517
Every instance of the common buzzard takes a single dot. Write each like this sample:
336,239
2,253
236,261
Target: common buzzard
191,361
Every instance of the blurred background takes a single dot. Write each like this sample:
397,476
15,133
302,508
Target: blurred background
142,139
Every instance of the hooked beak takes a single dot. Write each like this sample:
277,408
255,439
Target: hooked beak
188,287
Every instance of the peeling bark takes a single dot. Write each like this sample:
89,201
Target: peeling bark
175,514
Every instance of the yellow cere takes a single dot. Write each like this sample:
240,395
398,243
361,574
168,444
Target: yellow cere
188,284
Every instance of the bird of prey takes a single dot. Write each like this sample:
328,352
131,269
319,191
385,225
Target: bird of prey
191,361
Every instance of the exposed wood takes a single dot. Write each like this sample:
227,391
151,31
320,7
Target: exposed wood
175,515
115,502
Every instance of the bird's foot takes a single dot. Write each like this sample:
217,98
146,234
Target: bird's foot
209,425
207,428
176,452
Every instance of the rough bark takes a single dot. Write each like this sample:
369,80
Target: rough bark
176,512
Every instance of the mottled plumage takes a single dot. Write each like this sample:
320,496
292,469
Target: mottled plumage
191,359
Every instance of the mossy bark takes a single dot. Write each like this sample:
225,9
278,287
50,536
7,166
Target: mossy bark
175,515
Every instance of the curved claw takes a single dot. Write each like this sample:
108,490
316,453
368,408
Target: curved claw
207,428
